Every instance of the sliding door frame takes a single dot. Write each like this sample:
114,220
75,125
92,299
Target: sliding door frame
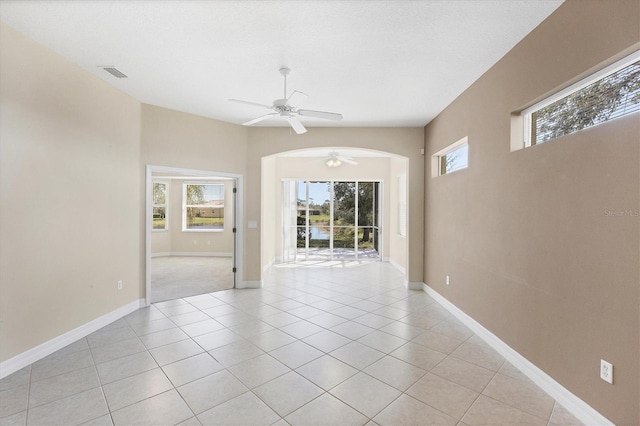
378,221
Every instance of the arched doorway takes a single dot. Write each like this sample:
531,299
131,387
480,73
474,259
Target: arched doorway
354,212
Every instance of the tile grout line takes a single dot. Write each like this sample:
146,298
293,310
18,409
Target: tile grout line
26,415
481,393
104,396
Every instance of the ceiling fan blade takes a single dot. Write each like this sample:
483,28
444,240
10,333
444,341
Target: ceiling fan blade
348,160
251,103
296,125
320,114
259,119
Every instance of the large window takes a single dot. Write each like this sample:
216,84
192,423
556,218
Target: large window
606,95
203,207
333,220
160,202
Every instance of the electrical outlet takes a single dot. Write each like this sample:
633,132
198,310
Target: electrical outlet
447,280
606,371
119,284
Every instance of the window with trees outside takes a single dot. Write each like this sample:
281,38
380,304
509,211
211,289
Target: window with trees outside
160,196
450,159
331,220
604,96
203,207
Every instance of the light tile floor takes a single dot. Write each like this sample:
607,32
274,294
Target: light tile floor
333,346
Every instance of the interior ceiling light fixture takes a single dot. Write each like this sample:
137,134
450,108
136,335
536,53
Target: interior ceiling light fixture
283,108
333,162
336,160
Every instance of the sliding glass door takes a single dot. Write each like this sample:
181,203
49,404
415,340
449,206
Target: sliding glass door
334,220
368,224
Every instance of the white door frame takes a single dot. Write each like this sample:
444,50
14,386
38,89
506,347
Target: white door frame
238,218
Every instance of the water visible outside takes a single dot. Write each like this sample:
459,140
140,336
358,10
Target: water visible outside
318,234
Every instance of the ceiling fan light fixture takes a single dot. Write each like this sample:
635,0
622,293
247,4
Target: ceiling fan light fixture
333,162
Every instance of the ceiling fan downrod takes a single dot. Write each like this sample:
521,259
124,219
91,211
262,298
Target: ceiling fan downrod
284,71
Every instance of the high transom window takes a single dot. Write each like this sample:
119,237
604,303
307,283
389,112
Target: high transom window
606,95
450,159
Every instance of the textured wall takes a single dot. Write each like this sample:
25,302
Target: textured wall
524,235
70,187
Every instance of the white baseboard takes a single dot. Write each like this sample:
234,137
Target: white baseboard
268,265
580,409
250,284
165,254
47,348
415,285
398,267
192,254
403,271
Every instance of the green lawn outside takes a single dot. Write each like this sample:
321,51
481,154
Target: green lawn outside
324,220
205,221
342,238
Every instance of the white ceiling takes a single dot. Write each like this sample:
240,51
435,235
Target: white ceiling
379,63
327,151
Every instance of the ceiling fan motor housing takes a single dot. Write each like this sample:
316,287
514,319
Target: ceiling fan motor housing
280,106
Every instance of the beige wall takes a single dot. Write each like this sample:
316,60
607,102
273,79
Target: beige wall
524,235
70,185
397,243
269,225
176,139
175,240
405,142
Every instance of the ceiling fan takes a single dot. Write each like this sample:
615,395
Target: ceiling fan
282,108
336,160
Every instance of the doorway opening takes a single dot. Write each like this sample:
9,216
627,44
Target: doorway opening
192,238
331,220
308,209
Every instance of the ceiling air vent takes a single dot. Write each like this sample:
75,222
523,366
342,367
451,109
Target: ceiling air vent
114,71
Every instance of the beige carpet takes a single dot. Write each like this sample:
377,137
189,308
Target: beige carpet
174,277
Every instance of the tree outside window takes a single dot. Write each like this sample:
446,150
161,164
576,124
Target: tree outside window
612,96
159,206
203,207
